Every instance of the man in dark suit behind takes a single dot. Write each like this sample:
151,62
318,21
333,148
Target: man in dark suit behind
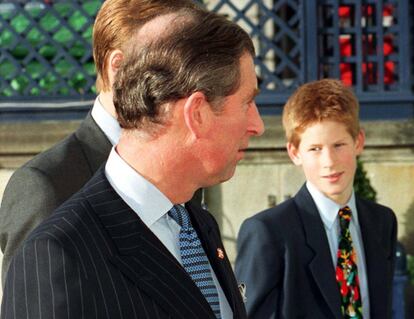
50,178
186,105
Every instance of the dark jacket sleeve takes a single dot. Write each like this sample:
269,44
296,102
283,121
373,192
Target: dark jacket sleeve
393,245
259,266
28,199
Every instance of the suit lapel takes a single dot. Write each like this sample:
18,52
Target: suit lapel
315,234
95,145
141,257
213,247
376,258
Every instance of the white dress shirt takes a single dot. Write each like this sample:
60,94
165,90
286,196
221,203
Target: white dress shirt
106,122
328,211
152,207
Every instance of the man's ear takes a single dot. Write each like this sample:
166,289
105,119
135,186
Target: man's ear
294,154
360,142
197,114
114,62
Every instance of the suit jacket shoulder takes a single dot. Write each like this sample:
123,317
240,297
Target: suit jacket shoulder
281,213
46,181
374,209
88,144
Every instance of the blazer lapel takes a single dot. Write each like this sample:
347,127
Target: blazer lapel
376,258
323,274
141,257
214,249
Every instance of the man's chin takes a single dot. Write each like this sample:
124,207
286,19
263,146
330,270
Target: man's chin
228,175
220,176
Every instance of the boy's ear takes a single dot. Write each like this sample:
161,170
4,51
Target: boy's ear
293,154
197,114
360,142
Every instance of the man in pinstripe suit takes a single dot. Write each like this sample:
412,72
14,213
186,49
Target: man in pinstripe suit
37,188
186,105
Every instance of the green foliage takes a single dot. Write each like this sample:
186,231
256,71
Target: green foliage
362,184
50,37
408,239
410,268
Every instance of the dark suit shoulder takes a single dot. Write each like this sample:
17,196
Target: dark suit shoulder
375,207
378,221
375,212
278,214
74,227
58,172
76,219
57,156
64,166
278,225
79,154
69,218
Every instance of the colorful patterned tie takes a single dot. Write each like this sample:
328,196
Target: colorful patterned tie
347,271
194,259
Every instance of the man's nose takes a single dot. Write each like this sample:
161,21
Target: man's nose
256,125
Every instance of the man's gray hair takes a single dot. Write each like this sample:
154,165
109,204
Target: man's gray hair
201,54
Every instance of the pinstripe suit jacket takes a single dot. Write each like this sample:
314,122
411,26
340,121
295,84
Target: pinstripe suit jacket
95,258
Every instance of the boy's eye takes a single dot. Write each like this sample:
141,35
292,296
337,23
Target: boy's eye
339,145
315,149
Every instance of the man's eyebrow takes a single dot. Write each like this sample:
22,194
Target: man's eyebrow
255,93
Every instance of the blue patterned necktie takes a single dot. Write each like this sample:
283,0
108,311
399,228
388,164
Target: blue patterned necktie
194,258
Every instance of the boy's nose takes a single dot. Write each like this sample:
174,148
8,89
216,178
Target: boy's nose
328,158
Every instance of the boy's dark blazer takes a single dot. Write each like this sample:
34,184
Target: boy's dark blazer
95,258
37,188
285,261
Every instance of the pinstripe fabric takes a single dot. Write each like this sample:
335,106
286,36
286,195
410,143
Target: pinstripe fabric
94,258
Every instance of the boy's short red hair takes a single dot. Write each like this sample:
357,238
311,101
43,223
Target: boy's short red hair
313,102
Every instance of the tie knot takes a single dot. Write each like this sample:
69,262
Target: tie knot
345,215
180,215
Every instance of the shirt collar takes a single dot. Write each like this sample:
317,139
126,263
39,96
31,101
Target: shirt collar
328,209
144,198
108,124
